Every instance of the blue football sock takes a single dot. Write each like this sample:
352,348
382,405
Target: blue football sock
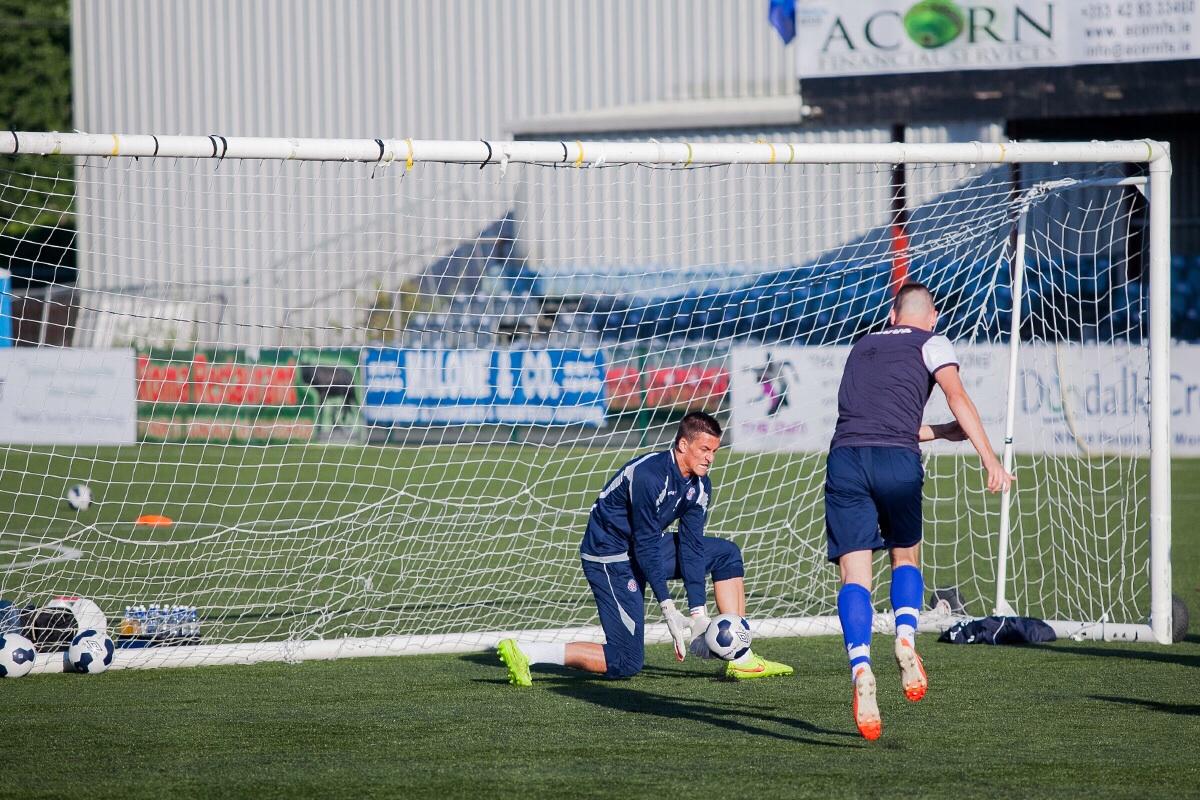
855,612
907,589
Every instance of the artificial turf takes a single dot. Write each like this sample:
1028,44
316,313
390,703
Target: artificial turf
1068,719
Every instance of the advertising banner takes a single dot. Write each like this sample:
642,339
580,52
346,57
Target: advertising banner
623,386
1070,399
6,323
57,395
681,389
234,396
784,398
1185,400
672,389
516,387
876,37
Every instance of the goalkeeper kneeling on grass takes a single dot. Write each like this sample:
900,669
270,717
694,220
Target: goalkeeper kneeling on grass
627,545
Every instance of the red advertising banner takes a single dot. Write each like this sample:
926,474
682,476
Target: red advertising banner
220,383
225,396
666,388
686,388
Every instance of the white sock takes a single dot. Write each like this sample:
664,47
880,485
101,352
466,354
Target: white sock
746,656
858,653
906,632
544,652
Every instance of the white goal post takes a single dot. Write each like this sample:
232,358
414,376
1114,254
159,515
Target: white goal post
355,397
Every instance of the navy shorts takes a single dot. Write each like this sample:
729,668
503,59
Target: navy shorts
722,559
872,499
619,588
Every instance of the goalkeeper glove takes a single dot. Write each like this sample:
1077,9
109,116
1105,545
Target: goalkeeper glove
677,625
698,623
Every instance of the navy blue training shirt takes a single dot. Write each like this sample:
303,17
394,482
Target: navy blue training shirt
886,384
633,512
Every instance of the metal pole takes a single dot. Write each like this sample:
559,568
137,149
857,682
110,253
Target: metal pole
1002,605
404,153
1160,409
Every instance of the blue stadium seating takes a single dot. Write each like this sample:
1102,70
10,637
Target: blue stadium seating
837,297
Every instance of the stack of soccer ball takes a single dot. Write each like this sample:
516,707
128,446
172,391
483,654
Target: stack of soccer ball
90,651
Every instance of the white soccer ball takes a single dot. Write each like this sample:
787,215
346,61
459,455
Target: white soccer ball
728,636
16,655
91,652
79,497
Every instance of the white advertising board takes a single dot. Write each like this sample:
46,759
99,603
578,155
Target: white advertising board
873,37
784,398
52,395
1070,399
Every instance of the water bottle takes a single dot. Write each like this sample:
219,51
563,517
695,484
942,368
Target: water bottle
193,617
127,623
153,620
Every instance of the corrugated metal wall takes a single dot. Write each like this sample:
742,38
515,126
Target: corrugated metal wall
273,253
451,69
286,253
749,217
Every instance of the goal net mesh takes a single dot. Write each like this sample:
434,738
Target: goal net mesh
381,400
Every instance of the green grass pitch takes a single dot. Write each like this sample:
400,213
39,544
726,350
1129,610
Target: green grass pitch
1062,720
325,541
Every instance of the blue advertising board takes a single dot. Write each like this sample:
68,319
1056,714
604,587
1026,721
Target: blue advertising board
6,331
458,387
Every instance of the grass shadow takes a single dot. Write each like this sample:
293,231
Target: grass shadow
1136,653
623,696
1190,710
734,717
486,658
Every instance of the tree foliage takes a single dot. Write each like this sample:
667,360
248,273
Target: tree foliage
36,192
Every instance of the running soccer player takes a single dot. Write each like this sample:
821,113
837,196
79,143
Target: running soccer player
874,477
627,545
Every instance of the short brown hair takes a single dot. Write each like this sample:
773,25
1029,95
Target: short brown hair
695,422
912,295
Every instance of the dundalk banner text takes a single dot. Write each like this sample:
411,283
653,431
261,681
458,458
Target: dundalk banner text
1071,399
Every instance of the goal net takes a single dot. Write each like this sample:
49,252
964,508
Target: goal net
342,398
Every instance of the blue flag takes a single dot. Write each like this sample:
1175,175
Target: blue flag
783,18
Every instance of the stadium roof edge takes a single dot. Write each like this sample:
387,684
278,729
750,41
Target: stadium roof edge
778,111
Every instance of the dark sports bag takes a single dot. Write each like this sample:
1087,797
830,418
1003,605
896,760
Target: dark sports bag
999,630
49,629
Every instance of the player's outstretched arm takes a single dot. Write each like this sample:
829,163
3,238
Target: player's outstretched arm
950,431
967,416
